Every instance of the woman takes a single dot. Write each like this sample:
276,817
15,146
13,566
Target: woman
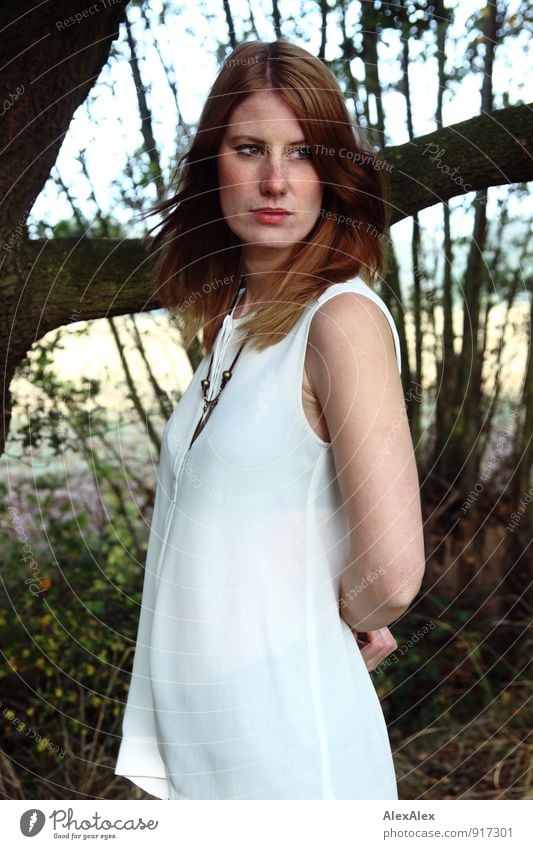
287,514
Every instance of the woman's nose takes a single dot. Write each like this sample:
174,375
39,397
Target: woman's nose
274,174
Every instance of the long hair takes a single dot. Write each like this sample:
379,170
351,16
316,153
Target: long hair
198,270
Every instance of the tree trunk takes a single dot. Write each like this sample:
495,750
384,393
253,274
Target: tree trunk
50,62
459,454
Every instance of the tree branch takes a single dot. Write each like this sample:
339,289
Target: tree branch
78,278
488,150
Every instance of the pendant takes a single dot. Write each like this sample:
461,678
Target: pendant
209,406
197,431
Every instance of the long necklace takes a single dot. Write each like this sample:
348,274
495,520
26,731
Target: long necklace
210,403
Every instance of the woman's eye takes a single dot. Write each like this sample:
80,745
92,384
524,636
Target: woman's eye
246,146
305,151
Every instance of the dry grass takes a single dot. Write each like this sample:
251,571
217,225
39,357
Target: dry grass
490,757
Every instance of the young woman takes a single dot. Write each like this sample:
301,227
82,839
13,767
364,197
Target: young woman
287,517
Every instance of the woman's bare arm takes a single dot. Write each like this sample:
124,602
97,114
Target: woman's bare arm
353,371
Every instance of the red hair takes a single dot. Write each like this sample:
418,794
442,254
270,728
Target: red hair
198,269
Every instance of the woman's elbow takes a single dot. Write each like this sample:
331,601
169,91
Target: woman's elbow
404,595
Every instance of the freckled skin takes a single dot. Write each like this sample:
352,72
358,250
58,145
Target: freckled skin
273,172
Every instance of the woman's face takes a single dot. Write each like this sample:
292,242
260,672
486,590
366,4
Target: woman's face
264,161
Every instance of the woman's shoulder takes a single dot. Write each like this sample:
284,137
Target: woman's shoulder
356,285
344,307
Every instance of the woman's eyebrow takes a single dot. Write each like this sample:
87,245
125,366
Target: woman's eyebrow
261,141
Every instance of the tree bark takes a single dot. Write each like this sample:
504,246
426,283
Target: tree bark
487,150
50,62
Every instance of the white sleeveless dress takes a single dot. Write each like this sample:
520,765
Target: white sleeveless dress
246,682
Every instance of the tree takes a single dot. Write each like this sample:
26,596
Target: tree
49,283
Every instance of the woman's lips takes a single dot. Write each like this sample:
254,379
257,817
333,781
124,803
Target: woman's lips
270,216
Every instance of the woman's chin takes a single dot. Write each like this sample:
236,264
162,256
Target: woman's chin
268,241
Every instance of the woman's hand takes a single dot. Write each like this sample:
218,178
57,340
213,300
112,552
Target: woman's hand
377,646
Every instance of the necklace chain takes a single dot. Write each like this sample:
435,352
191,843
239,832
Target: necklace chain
210,403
